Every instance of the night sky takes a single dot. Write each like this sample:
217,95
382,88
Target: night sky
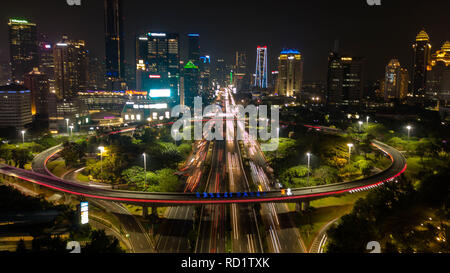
377,33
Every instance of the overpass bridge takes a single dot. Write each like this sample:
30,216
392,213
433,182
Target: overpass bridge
41,177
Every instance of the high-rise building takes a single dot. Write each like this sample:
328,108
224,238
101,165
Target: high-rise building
205,74
220,72
96,74
290,73
71,68
46,60
114,40
191,77
442,55
5,73
395,81
23,48
421,64
241,80
440,65
37,83
194,48
345,81
15,110
158,62
261,67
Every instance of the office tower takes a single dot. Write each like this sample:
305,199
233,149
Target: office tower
194,48
395,81
37,83
23,48
442,55
421,64
158,62
15,110
191,83
71,68
205,74
5,73
345,79
96,74
46,60
290,73
440,65
220,72
241,80
114,40
261,67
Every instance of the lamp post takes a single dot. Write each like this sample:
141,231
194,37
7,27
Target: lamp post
360,123
409,129
309,158
350,145
367,121
145,169
67,125
102,149
71,128
23,137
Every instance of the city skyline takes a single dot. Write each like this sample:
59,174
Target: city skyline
314,41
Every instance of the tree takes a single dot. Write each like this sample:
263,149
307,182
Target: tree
327,174
102,243
168,181
21,156
72,153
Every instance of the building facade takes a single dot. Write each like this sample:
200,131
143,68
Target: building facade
261,67
23,47
421,64
395,81
290,73
114,40
15,110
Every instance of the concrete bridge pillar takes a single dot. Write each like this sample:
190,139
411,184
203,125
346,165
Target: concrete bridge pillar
145,211
154,210
305,205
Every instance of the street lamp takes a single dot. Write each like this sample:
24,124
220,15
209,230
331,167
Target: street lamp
145,169
350,145
23,136
409,129
367,121
67,125
360,123
71,128
309,158
102,149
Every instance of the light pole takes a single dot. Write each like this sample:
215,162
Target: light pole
367,121
145,170
309,158
102,149
71,128
409,129
67,125
360,123
350,145
23,137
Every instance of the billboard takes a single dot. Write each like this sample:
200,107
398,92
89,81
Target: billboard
159,93
84,209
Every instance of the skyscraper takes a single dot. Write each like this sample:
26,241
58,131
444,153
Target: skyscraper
261,67
290,73
194,48
345,79
23,48
114,40
191,83
158,62
395,81
241,80
37,83
421,64
16,106
71,68
46,60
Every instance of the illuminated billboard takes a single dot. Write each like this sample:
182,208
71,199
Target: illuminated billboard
159,93
84,209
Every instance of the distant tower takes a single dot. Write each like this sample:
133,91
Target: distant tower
421,64
261,67
23,48
290,73
114,42
194,48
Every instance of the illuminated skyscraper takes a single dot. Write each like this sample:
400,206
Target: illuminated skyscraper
158,62
37,82
395,81
114,40
421,64
261,67
240,79
71,68
191,76
290,73
23,48
194,48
